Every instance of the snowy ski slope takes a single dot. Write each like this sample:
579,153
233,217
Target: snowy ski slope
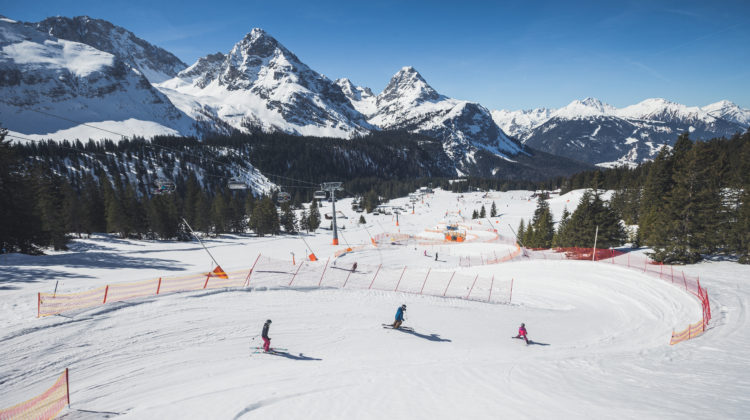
601,333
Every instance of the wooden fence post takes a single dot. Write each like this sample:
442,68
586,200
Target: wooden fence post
399,279
510,299
159,286
472,286
374,277
247,279
295,273
106,290
425,280
207,277
324,272
449,283
38,304
67,386
491,284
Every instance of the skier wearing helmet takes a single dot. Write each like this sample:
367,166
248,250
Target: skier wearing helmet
399,316
264,335
522,333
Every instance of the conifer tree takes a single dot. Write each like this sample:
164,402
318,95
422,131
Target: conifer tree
493,210
304,221
474,214
288,219
482,212
542,225
314,216
265,218
560,240
521,232
651,217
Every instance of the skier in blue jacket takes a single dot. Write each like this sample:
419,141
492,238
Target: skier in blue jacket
399,316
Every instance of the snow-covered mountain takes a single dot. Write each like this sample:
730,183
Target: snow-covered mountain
153,62
360,97
409,103
261,85
595,132
518,123
42,77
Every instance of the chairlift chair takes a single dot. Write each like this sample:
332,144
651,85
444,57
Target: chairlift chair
237,183
320,195
163,186
283,197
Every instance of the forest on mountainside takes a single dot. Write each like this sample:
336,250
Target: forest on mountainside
692,200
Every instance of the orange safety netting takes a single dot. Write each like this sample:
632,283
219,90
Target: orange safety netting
44,406
55,303
639,262
268,272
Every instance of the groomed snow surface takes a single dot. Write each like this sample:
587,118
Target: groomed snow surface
600,333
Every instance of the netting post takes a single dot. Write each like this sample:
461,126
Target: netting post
472,286
159,286
374,277
425,280
247,279
106,290
399,279
449,283
510,299
661,269
671,272
324,271
628,260
38,304
67,386
684,281
491,284
207,277
295,273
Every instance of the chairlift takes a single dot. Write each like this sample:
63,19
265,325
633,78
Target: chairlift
163,186
237,183
320,195
283,197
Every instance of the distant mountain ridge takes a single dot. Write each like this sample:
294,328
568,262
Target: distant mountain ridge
599,133
261,86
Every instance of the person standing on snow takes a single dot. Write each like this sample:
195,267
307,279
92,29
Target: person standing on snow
264,335
399,316
522,333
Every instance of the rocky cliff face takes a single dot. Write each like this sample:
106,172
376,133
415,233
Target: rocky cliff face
50,87
261,85
153,62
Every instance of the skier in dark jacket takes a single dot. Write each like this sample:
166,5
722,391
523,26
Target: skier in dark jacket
399,316
264,335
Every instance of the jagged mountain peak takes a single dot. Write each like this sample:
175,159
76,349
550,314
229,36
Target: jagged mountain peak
261,85
588,107
409,86
260,44
153,62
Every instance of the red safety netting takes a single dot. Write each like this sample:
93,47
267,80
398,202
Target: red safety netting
44,406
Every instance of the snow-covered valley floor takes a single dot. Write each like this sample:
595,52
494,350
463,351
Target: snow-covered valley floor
601,334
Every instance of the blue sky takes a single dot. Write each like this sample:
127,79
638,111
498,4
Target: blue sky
504,55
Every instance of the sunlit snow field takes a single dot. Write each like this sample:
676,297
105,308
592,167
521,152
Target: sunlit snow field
601,333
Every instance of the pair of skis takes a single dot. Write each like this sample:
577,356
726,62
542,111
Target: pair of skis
390,327
273,350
